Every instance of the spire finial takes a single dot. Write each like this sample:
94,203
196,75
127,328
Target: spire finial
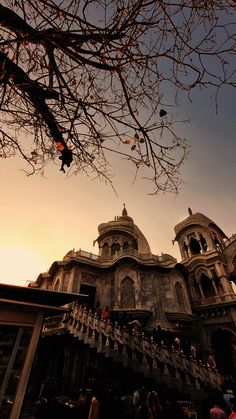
124,212
190,211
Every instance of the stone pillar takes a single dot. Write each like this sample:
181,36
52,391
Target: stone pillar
223,278
71,280
189,250
201,290
201,246
226,285
116,290
197,236
138,292
209,240
183,252
214,286
192,289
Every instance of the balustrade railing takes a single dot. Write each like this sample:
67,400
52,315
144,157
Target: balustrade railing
135,350
230,240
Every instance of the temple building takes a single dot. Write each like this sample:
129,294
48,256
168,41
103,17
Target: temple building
193,300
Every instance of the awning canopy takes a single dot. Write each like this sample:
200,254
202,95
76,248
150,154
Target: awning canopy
37,297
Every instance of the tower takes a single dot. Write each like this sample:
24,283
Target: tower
204,250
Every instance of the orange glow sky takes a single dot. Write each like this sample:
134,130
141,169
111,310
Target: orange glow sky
42,218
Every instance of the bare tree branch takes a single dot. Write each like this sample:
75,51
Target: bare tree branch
82,80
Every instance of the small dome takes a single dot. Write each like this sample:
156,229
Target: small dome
124,224
196,219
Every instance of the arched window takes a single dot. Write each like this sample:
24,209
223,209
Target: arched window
134,245
105,250
127,295
207,287
125,246
194,246
180,297
57,285
115,248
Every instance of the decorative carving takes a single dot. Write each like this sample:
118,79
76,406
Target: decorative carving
126,345
127,293
88,279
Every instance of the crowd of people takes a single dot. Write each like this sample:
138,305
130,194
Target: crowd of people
141,403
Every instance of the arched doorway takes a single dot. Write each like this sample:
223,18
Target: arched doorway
222,342
91,292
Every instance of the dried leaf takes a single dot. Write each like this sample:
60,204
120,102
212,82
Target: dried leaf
59,145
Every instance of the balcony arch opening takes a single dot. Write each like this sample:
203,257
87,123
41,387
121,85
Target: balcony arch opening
194,246
207,287
115,248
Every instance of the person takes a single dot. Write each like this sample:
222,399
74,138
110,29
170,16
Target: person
143,411
228,396
173,409
127,406
105,313
216,412
94,409
135,325
177,344
233,407
193,351
82,410
42,409
185,410
112,406
211,361
154,405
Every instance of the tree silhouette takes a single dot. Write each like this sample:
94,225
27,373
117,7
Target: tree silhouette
80,80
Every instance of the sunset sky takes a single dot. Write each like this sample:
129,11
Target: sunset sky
42,218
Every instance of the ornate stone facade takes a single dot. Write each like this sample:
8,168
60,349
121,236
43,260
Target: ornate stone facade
210,259
194,300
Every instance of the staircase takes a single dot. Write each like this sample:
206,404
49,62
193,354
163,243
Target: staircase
135,351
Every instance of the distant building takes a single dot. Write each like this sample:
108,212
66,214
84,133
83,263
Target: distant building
193,301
